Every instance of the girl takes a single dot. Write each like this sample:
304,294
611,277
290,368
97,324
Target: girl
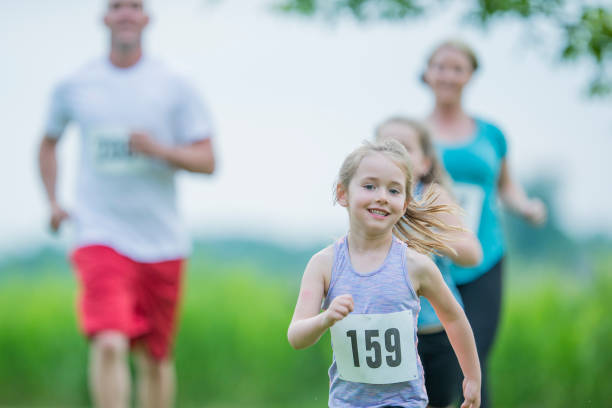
442,376
473,151
379,278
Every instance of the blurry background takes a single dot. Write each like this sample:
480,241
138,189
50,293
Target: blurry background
291,96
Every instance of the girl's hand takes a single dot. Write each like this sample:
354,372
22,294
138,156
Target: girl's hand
340,307
471,393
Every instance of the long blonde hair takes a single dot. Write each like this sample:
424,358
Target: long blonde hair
437,173
419,226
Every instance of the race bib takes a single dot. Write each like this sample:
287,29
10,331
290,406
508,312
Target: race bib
110,152
375,348
470,197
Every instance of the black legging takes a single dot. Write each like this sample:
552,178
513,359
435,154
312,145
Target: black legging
482,303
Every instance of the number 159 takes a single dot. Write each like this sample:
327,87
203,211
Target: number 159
392,344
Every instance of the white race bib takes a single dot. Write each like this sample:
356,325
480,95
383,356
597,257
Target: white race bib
375,348
110,152
470,197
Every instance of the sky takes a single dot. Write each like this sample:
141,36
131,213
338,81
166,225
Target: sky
290,99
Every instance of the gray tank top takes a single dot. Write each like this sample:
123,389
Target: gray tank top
385,290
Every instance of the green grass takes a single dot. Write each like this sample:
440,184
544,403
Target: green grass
554,345
553,348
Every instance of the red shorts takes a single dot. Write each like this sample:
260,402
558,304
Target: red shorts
134,298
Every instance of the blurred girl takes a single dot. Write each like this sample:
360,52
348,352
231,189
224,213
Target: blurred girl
442,375
369,282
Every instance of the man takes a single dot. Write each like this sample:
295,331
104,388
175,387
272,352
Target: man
139,122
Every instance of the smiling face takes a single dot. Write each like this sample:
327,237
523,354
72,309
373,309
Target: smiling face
376,194
448,71
126,19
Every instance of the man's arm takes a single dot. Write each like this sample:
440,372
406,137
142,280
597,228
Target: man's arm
197,157
47,163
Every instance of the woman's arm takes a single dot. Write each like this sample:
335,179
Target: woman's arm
432,286
468,251
308,324
514,197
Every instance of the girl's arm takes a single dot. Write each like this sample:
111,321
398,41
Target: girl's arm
514,197
468,251
432,286
308,324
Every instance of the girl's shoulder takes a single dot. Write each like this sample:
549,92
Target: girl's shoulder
417,259
322,262
419,267
324,256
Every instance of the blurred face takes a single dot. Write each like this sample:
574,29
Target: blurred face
448,72
376,196
409,137
126,19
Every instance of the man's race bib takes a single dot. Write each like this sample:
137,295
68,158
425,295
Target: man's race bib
470,197
375,348
110,152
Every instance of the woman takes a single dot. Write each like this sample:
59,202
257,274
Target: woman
473,152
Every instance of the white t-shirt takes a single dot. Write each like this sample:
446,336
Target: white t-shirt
125,201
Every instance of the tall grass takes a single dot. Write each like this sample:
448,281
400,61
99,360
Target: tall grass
553,349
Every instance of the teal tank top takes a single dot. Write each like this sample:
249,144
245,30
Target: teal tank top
474,166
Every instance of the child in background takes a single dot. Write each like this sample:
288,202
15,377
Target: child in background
442,375
369,282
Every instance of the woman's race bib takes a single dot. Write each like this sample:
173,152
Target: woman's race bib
470,198
110,152
375,348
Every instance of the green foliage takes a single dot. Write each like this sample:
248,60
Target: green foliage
552,350
587,32
231,347
553,346
360,9
233,344
591,36
487,9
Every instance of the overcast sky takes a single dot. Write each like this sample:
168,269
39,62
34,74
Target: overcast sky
290,99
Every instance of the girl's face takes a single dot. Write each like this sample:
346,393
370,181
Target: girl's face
447,74
376,195
409,137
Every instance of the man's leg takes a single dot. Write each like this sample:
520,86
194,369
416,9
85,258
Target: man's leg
109,376
156,381
107,318
158,298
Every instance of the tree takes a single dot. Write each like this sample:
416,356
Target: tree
586,28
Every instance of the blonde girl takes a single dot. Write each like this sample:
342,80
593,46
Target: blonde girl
442,373
369,283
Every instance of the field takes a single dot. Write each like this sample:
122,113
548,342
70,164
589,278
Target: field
553,348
